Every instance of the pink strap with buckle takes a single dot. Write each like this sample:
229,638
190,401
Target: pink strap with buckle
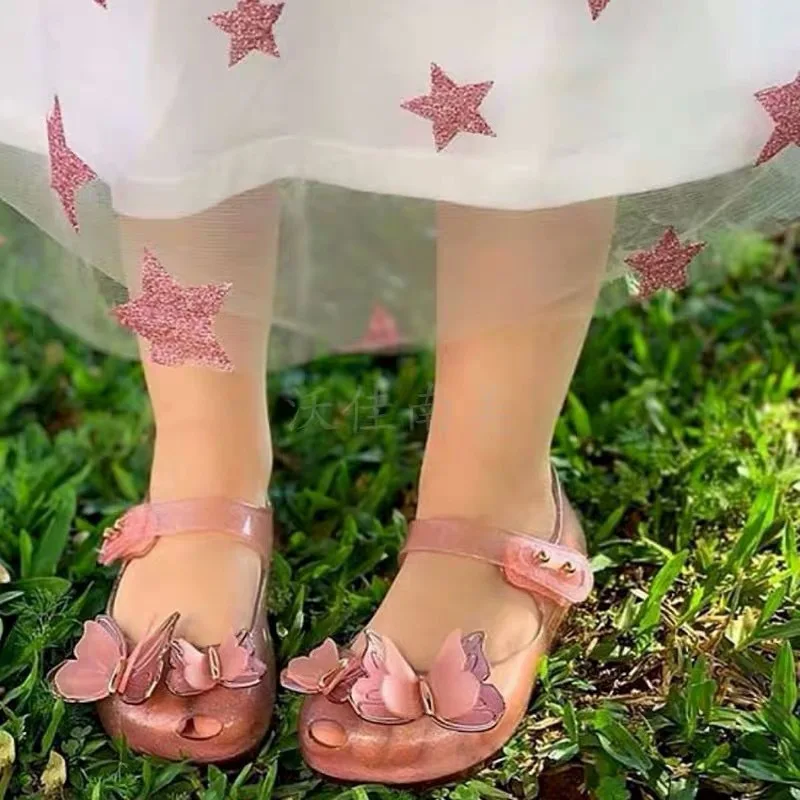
136,531
534,565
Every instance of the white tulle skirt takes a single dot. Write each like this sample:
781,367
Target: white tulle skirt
363,113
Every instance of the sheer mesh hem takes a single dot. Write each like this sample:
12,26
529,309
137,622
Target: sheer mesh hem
355,271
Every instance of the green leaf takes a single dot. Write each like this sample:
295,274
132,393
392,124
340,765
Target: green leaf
56,715
620,743
693,605
217,784
762,514
782,723
125,482
682,789
786,630
771,605
147,779
764,771
164,777
563,750
54,541
488,792
25,554
267,785
579,416
790,551
610,523
784,679
700,691
570,722
23,690
240,779
650,613
612,787
742,629
55,587
716,757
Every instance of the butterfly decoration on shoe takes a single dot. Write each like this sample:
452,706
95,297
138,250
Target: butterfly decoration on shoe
104,665
455,692
326,670
232,664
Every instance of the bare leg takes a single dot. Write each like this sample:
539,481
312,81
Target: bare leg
212,432
516,293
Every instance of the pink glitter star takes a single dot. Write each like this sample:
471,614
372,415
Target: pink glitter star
783,105
382,332
665,265
176,321
251,27
67,172
101,3
453,109
597,7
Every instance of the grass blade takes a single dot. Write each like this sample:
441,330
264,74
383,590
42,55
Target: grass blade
54,541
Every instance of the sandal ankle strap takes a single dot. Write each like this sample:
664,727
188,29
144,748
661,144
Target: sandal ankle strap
539,566
136,531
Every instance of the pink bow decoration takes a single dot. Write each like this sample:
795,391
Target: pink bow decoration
131,536
103,666
455,692
538,566
232,664
325,670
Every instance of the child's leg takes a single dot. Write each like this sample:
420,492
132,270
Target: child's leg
532,280
212,432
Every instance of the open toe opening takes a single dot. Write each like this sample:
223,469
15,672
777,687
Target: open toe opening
328,733
200,727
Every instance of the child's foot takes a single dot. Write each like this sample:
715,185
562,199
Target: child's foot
210,579
168,691
434,594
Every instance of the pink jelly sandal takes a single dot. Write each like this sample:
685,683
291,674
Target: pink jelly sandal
370,717
164,696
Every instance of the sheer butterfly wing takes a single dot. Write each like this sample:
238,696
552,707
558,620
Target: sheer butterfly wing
99,655
108,624
239,665
146,663
483,716
340,688
476,661
189,671
304,674
453,687
463,700
388,692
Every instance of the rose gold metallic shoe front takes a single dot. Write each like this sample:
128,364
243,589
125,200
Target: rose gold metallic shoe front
370,717
165,696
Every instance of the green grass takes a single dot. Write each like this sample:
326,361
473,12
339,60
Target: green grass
678,445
